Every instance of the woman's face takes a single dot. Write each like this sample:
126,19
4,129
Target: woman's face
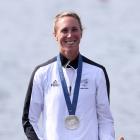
68,35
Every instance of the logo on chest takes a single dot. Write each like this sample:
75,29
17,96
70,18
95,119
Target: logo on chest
55,83
84,84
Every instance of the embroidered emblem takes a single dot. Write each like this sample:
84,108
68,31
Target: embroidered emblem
55,83
84,84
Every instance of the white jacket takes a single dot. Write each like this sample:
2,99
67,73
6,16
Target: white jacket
45,96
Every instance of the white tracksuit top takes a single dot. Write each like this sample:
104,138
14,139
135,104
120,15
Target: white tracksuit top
45,96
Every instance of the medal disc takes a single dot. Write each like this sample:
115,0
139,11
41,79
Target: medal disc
72,122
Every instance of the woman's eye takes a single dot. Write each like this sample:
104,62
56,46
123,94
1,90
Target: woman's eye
64,30
74,29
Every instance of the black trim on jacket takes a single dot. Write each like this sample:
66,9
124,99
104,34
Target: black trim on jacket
104,70
28,128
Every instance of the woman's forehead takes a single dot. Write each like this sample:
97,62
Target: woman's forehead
67,21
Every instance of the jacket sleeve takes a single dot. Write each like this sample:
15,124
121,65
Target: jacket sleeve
32,108
105,119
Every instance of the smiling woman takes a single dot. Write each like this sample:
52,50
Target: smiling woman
70,91
68,33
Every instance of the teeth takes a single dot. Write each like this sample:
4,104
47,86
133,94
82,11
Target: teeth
70,42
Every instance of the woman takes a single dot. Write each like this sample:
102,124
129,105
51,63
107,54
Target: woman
70,91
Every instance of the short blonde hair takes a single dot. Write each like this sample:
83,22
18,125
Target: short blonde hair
64,14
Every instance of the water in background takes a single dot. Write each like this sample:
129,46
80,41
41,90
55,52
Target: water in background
111,37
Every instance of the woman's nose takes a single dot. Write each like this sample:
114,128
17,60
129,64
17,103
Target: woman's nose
69,34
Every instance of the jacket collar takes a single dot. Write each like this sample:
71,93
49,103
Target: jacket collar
68,64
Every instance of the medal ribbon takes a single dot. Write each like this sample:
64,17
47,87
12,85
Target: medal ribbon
71,106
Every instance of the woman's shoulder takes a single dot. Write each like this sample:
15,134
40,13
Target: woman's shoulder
92,63
44,67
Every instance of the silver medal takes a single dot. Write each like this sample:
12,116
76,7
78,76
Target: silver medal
72,122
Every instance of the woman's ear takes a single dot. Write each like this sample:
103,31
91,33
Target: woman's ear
54,34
